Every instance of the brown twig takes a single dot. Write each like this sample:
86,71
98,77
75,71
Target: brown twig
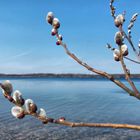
131,24
129,40
7,88
104,74
132,60
133,19
127,75
112,49
102,125
62,121
119,24
112,9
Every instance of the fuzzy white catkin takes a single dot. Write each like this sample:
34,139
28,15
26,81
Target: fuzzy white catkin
16,95
120,18
42,113
7,87
124,48
50,14
56,23
116,54
16,111
27,103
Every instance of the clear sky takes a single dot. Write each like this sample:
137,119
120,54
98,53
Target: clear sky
26,45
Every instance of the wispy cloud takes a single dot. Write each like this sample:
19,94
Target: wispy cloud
21,55
16,56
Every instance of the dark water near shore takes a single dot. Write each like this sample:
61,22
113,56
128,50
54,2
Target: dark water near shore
78,100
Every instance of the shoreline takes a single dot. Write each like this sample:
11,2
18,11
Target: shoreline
68,75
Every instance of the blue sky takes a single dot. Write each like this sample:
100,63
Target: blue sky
27,46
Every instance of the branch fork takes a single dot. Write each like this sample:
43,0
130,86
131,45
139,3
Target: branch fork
26,107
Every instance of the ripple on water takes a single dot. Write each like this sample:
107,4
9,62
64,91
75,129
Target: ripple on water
85,100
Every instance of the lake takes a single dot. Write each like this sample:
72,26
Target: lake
86,100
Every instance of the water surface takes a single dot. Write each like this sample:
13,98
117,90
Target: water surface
86,100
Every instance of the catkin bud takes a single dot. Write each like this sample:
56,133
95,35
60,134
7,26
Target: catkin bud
56,23
124,49
134,17
60,37
58,42
54,32
129,31
7,87
130,25
30,106
116,55
118,38
62,119
50,17
42,113
17,112
119,20
17,96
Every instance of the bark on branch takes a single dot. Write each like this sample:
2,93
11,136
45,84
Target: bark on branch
62,121
102,73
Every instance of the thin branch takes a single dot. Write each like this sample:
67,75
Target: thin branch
112,9
128,76
133,19
119,20
125,69
102,125
131,44
132,60
62,121
129,40
112,49
102,73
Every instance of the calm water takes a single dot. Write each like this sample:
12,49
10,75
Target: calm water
76,99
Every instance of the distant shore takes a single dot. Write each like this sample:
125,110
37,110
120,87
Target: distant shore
68,75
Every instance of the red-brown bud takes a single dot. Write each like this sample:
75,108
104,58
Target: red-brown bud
10,98
60,37
54,32
58,42
62,119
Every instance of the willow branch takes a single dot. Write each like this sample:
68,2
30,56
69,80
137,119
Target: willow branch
112,49
102,73
127,75
119,20
112,9
131,44
62,121
132,60
105,125
129,40
128,37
